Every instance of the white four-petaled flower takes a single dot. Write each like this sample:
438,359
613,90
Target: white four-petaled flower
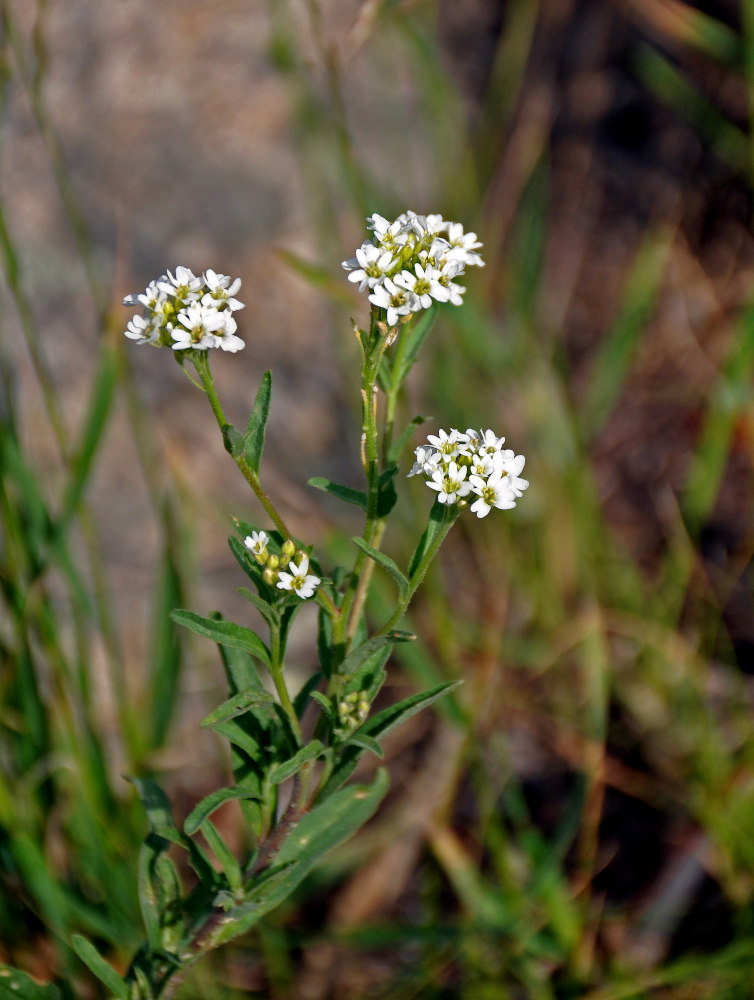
299,580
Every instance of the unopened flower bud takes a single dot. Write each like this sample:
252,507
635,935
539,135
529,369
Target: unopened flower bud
289,547
270,576
273,562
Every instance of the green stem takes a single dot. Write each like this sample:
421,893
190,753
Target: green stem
449,514
277,652
201,363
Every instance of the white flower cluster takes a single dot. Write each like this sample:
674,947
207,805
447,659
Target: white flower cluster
181,311
475,462
413,261
299,579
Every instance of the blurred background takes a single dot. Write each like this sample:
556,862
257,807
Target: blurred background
579,821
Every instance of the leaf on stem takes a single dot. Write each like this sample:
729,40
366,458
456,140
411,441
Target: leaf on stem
254,436
435,524
255,697
233,440
403,438
379,725
288,768
316,833
213,801
95,963
387,496
224,632
387,563
356,497
358,656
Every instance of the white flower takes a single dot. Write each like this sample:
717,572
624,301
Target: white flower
142,330
369,266
256,542
397,301
224,335
424,283
198,329
490,443
493,492
221,290
427,459
183,285
463,246
509,465
297,580
449,481
447,444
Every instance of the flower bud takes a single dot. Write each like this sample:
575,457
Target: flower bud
289,547
270,576
273,562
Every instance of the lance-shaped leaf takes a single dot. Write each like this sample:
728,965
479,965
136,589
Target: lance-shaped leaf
345,493
97,965
233,440
162,825
386,494
403,438
254,436
213,801
357,656
287,768
379,725
387,563
239,704
435,524
225,633
318,832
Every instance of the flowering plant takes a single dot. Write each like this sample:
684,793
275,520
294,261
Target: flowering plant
293,753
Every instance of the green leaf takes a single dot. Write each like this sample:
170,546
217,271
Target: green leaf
435,524
101,969
288,768
14,983
240,703
345,493
358,656
325,704
104,383
319,831
387,563
403,438
266,610
233,440
225,633
213,801
366,743
301,701
378,725
151,914
254,437
386,495
240,670
223,854
395,715
161,823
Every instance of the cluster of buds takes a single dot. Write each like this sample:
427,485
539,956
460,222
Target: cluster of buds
182,311
353,709
458,465
412,262
287,571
